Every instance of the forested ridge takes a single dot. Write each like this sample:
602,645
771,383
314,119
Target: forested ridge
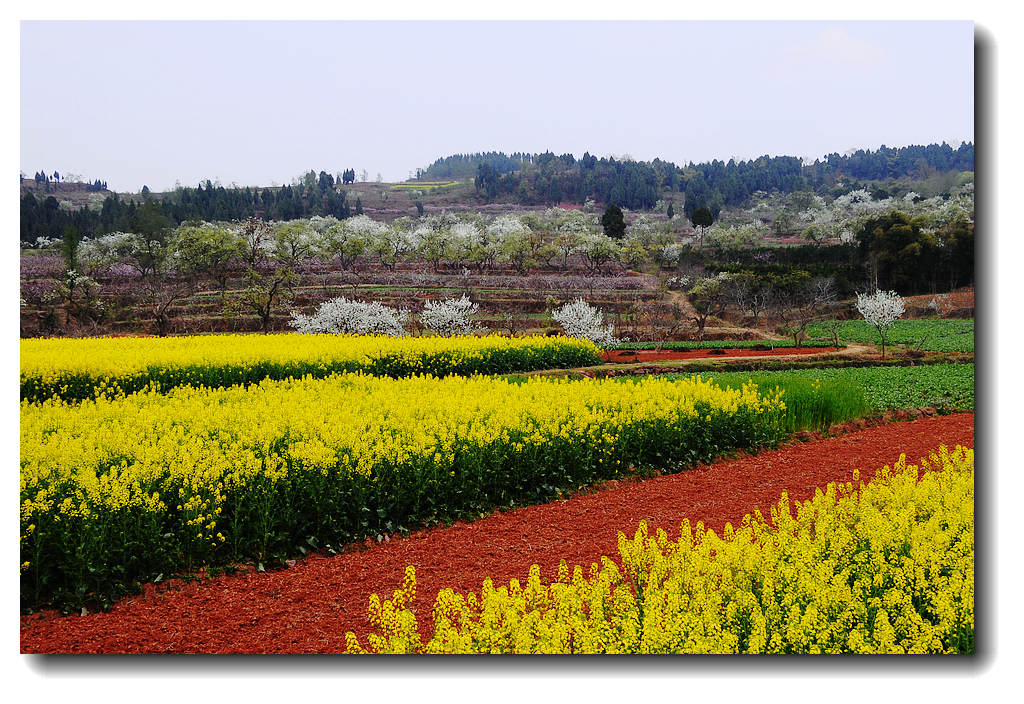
313,195
532,179
523,178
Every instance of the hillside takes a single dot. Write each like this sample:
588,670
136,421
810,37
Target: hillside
78,194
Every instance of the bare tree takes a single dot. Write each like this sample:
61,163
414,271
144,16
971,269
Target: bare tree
266,290
749,293
270,276
709,297
512,324
664,319
160,294
800,300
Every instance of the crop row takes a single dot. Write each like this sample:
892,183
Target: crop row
886,567
929,335
947,387
76,369
115,490
716,344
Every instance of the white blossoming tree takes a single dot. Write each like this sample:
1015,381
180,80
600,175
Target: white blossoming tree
881,309
582,320
294,240
505,225
450,317
340,316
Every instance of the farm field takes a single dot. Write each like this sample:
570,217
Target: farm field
80,368
475,368
944,386
669,597
940,335
380,363
309,607
197,476
211,474
209,455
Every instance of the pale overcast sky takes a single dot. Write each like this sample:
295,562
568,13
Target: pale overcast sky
252,103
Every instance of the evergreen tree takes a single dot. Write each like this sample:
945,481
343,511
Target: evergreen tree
69,247
614,222
702,219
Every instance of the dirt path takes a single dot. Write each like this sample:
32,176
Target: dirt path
642,356
309,607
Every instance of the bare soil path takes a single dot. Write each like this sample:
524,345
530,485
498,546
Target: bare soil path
635,356
309,607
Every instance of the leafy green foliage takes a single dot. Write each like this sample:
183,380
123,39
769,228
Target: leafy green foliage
929,335
945,386
811,402
613,222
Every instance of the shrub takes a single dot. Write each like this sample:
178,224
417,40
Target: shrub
450,317
582,320
340,316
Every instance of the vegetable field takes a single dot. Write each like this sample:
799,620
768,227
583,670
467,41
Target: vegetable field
929,335
944,386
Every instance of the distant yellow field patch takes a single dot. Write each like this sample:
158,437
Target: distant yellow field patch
424,185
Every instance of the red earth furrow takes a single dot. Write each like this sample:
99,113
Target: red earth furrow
627,356
309,607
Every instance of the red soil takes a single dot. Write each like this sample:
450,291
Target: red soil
955,299
626,356
309,607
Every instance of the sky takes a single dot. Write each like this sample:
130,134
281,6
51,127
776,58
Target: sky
256,103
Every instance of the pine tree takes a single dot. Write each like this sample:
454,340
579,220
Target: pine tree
702,219
614,222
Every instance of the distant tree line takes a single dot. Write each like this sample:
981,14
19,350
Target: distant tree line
528,179
717,184
548,178
313,195
891,163
464,166
532,179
